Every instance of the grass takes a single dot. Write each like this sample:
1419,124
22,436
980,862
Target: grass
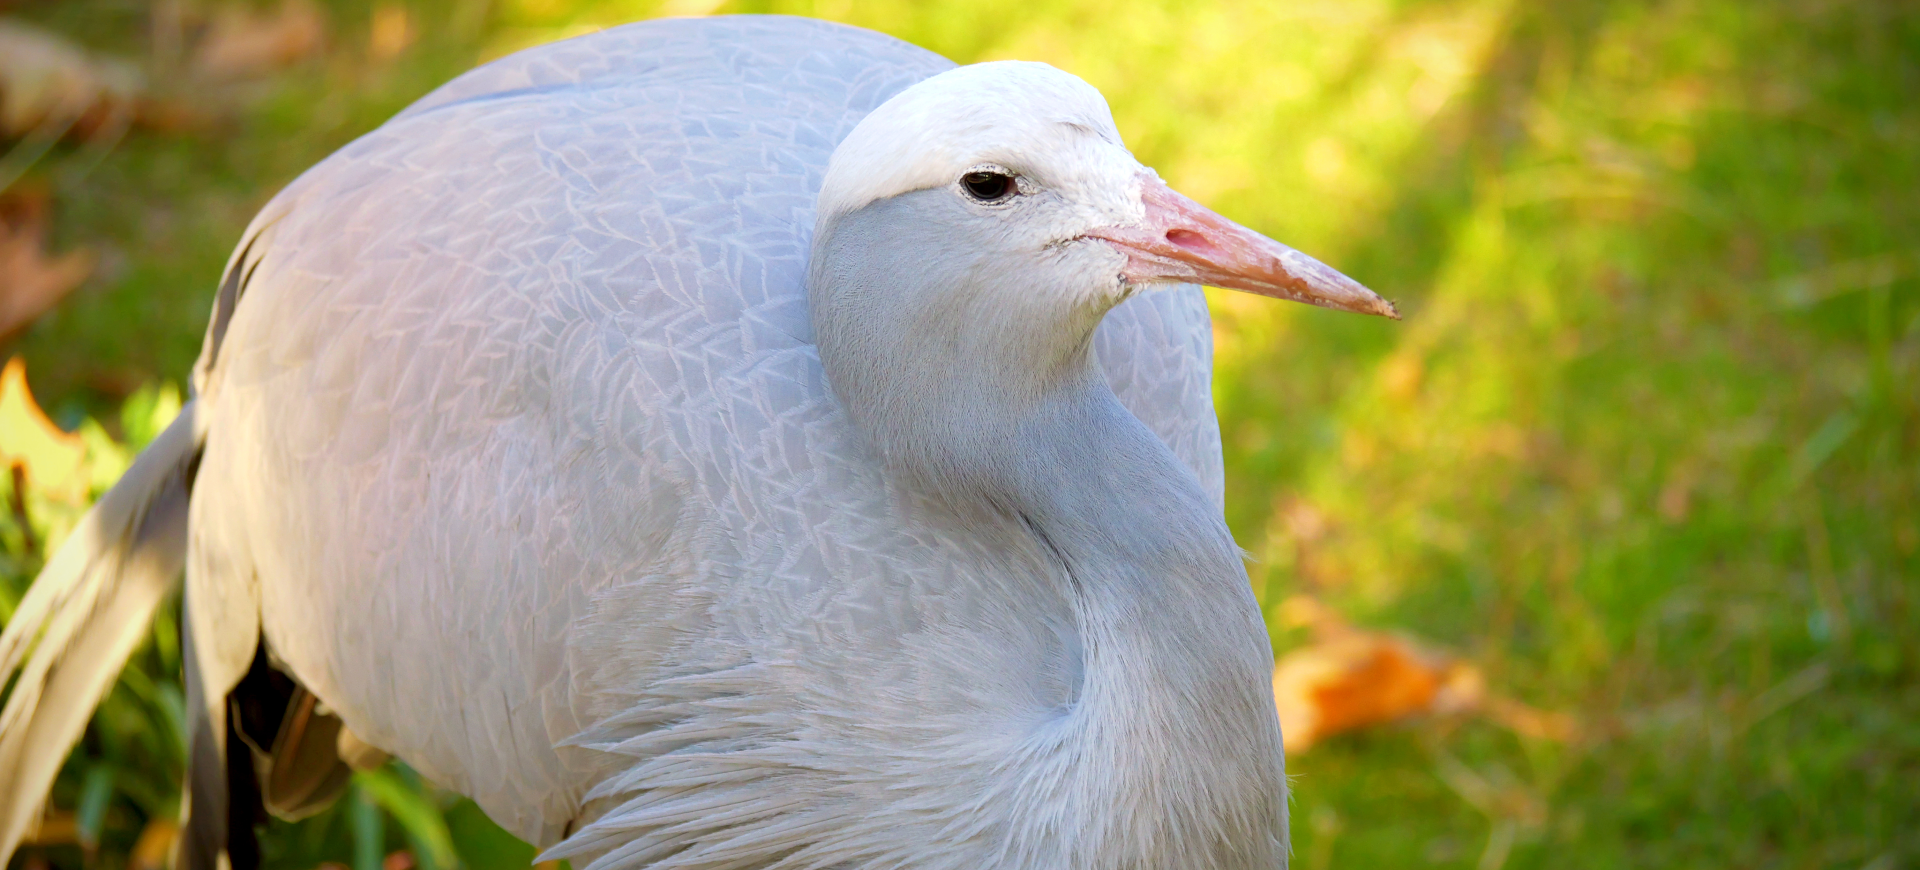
1646,448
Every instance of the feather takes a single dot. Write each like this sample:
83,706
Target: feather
89,608
526,462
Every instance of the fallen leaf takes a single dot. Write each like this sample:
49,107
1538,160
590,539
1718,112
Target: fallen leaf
243,42
52,459
1348,678
48,82
1353,682
31,282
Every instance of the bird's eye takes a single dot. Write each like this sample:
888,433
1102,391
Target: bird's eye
988,186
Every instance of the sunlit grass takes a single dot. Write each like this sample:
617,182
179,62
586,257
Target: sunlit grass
1646,448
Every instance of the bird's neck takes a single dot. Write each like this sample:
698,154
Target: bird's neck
1168,754
1172,740
976,384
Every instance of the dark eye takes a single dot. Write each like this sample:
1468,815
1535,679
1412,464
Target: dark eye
988,186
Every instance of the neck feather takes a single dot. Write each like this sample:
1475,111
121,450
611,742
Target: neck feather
1171,750
1173,738
987,397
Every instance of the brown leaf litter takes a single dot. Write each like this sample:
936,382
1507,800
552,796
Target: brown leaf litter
1348,678
32,280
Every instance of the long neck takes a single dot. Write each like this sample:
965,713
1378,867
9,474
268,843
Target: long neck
986,396
1173,743
1170,751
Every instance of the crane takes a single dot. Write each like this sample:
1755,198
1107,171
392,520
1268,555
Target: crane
745,442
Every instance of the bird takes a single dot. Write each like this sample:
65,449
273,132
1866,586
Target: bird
735,442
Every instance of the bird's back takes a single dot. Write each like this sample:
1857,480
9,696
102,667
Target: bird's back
517,432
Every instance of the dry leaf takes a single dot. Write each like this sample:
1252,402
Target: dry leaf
1366,679
243,42
53,459
1348,678
46,81
31,282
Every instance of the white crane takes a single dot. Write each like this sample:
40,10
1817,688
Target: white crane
727,443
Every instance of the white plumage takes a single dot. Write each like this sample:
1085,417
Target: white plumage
523,447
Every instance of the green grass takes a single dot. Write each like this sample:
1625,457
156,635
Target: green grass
1646,447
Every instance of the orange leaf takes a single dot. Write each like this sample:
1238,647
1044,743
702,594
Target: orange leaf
1348,683
52,458
1348,678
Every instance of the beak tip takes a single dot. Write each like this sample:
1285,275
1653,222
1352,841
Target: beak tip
1370,302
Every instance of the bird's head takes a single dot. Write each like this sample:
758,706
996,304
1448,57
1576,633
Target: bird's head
1023,160
973,229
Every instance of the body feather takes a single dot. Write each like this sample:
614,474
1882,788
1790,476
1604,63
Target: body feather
520,458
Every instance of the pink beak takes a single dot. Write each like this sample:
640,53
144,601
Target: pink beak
1181,241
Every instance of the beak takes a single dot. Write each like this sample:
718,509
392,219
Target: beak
1181,241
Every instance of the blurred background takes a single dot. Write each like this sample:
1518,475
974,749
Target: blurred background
1607,556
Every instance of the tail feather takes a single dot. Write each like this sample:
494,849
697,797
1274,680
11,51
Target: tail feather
89,608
